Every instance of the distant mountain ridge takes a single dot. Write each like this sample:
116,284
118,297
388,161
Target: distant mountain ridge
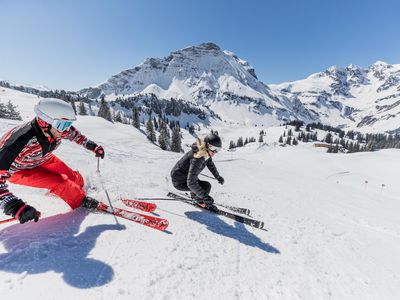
366,99
215,84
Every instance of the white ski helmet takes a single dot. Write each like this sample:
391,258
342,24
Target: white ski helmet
58,113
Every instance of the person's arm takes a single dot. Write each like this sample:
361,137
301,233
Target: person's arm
11,145
76,136
213,169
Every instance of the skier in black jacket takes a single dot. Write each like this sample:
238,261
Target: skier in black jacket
186,171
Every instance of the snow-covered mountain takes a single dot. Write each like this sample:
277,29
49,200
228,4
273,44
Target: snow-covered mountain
203,75
365,99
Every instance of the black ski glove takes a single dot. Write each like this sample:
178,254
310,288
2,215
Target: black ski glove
99,151
220,179
19,210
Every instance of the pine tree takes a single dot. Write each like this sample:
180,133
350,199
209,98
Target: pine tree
82,109
104,110
280,139
232,144
162,139
176,142
155,124
239,142
295,142
328,138
12,112
150,133
135,118
289,140
261,137
118,117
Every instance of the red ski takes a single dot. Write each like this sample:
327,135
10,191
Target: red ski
150,221
145,206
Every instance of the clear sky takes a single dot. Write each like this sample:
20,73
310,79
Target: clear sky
74,44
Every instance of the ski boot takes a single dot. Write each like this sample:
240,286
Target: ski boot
89,202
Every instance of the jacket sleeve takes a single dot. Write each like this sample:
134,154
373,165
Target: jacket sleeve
213,169
5,195
193,177
76,136
11,146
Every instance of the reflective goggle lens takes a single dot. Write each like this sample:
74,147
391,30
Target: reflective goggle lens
214,149
61,125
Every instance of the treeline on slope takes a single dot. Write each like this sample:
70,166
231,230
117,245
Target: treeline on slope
240,142
338,139
150,103
59,94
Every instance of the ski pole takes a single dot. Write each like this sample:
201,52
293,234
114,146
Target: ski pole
208,176
15,219
105,190
164,199
7,220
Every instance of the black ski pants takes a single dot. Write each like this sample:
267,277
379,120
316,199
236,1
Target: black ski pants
205,185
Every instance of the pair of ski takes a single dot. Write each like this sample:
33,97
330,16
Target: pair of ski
214,209
162,224
149,221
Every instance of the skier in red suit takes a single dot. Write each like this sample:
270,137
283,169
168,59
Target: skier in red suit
26,158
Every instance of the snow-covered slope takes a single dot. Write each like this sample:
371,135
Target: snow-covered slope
365,99
332,229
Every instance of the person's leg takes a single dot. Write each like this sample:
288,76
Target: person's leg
206,186
56,165
181,186
57,184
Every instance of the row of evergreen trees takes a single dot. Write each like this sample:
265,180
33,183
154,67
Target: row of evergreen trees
59,94
339,140
166,140
241,143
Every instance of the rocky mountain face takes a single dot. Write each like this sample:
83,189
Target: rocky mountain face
200,75
366,99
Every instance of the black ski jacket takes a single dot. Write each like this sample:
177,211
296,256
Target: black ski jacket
188,168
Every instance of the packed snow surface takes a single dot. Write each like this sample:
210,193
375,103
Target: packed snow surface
332,227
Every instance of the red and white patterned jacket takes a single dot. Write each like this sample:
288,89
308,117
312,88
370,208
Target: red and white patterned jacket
26,147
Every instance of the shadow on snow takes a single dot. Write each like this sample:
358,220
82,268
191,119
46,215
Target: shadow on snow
238,232
52,244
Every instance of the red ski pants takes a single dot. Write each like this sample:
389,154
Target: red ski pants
55,176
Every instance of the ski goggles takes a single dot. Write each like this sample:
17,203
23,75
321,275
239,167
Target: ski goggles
214,149
61,125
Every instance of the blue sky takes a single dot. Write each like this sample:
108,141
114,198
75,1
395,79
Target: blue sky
79,43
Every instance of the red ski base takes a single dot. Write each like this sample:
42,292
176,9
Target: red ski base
145,206
150,221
